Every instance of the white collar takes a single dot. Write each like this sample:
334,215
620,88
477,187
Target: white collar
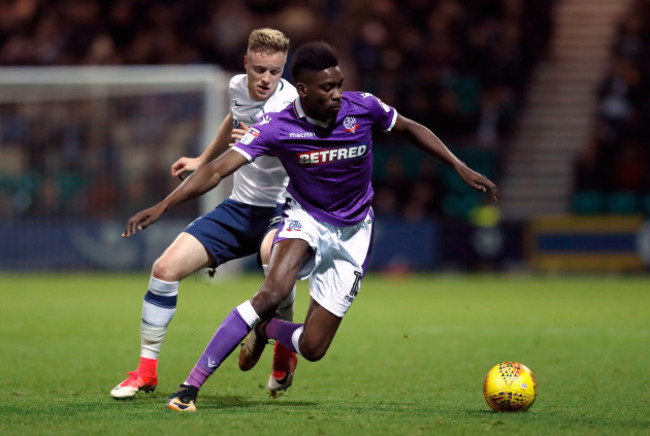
301,113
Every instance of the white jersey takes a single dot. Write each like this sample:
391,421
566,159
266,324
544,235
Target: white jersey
264,181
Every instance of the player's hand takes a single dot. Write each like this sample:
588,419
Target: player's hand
479,182
143,219
238,133
184,164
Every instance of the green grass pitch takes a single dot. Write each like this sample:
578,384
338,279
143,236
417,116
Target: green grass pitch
409,358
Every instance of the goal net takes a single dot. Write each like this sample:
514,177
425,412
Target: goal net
93,145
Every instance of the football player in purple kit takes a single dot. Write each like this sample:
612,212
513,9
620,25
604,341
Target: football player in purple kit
324,141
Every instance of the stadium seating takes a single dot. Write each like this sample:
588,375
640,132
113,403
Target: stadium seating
612,174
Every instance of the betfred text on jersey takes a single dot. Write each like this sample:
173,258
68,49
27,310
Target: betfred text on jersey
325,156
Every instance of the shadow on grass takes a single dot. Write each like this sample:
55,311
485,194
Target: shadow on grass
214,402
234,402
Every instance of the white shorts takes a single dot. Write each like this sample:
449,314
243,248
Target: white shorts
341,256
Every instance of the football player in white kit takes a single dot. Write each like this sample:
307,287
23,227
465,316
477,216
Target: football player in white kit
244,224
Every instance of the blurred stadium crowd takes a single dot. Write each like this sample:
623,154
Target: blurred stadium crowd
460,67
613,171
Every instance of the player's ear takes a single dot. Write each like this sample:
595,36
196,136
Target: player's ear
245,61
301,87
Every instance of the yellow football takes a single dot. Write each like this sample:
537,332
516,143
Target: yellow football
510,387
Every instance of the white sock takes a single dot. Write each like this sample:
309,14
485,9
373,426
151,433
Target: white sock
295,339
247,312
158,309
151,338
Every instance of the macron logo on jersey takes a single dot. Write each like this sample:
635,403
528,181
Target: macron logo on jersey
302,135
333,154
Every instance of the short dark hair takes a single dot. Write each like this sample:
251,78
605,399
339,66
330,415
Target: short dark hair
313,56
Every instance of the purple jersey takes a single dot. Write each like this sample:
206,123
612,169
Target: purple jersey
330,168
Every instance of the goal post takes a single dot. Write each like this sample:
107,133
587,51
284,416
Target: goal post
47,85
95,143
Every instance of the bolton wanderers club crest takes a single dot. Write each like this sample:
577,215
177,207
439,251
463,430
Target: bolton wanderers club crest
294,226
350,124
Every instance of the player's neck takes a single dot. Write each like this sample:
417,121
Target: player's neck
312,118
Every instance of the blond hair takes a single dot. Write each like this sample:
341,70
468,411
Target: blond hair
268,40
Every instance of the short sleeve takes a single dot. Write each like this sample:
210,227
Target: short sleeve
382,114
255,142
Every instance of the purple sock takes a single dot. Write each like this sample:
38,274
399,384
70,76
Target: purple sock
282,331
232,330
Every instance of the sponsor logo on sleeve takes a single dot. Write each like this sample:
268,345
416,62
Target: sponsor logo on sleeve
250,136
381,103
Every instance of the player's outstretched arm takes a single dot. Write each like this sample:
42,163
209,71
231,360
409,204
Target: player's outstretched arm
200,182
218,145
425,139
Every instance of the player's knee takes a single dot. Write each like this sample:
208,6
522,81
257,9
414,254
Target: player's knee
313,357
164,270
312,353
312,348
